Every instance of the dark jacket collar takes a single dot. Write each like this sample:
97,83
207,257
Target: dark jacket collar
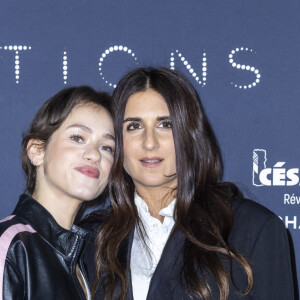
33,213
174,245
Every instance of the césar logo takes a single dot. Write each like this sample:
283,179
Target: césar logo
278,175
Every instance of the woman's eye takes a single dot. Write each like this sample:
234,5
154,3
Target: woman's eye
133,126
165,124
77,138
107,148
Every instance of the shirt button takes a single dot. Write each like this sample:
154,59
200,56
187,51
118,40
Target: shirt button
155,225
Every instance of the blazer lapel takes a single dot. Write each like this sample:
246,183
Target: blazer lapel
160,283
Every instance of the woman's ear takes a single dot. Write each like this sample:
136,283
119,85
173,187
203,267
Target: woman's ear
35,152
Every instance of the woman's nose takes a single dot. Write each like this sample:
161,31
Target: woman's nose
92,153
150,140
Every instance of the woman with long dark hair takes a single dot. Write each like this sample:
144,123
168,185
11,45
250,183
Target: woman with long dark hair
67,155
174,230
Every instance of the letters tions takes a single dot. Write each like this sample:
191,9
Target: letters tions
176,57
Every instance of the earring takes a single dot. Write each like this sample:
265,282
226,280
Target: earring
33,163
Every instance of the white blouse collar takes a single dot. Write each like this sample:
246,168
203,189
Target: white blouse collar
143,209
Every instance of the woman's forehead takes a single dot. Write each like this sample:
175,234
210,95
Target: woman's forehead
146,102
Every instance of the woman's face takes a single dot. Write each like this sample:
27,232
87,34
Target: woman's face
149,152
79,155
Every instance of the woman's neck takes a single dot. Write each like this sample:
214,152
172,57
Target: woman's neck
62,209
156,199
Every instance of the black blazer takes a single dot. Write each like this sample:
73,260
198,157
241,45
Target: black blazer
257,233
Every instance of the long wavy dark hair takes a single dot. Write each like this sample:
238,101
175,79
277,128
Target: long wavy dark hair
203,206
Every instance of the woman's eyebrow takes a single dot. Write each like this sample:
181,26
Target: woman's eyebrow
132,119
82,127
163,118
89,130
139,119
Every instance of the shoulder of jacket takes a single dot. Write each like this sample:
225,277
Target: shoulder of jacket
13,236
251,218
94,220
8,222
248,208
12,226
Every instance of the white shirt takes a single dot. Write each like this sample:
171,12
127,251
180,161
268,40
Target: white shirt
144,261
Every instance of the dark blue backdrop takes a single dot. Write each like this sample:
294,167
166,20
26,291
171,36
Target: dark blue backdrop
242,56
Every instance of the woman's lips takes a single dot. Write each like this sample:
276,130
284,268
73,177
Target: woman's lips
89,171
151,162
